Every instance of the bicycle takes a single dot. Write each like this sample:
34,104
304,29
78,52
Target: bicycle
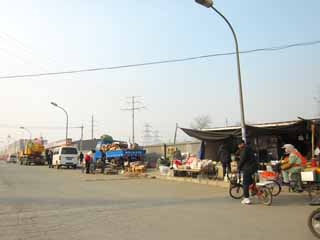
261,190
276,185
295,184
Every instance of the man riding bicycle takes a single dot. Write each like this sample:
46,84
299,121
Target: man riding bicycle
248,165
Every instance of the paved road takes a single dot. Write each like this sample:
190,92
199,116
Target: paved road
39,203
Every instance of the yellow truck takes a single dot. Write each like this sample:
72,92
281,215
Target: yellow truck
32,153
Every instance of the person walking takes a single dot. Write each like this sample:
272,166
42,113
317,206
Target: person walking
103,161
81,156
50,156
93,161
87,160
248,165
224,157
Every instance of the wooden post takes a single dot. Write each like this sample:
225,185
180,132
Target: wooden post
175,134
312,138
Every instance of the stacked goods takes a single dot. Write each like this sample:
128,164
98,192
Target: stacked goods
267,176
176,164
136,167
206,165
109,147
192,162
115,146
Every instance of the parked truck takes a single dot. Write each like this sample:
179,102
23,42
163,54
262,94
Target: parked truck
117,153
32,153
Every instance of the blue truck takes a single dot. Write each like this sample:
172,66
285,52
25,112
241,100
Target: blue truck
130,155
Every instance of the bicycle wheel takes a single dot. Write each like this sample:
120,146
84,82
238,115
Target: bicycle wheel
275,188
313,191
314,222
236,191
265,196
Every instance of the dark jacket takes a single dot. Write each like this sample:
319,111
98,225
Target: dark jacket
247,161
223,154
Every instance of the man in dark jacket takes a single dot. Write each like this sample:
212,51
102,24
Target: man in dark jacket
225,157
248,165
50,158
103,161
81,156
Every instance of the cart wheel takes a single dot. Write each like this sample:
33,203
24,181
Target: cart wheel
236,191
313,191
314,222
275,188
265,196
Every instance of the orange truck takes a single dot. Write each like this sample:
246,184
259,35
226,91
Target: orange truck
33,153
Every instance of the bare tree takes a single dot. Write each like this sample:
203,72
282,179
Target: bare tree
201,122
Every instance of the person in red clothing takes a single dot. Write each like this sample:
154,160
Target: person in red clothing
87,159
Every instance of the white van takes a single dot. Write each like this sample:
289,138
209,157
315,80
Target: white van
65,156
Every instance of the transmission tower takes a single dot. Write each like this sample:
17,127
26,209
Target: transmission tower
156,137
147,136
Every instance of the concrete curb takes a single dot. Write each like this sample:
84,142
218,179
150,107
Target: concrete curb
216,183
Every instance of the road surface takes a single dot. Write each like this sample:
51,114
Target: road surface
39,203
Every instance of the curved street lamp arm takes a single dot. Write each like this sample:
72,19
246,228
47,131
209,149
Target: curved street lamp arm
67,119
243,124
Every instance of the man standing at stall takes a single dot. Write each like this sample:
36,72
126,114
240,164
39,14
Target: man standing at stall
248,165
224,157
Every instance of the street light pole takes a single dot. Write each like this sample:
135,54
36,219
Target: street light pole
56,105
209,4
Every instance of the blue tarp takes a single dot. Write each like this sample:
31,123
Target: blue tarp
120,153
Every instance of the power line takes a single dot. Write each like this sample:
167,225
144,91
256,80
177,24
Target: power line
37,127
269,49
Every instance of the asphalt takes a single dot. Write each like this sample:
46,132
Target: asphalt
39,203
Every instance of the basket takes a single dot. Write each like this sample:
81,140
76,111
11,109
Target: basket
267,176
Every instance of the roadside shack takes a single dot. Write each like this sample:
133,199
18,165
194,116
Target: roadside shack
266,139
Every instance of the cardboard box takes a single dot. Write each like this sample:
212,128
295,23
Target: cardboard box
308,176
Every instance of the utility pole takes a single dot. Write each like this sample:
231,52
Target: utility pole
81,138
92,127
134,107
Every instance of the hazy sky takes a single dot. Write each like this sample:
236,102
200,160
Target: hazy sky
45,36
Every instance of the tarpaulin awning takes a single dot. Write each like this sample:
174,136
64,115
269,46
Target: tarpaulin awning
293,127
